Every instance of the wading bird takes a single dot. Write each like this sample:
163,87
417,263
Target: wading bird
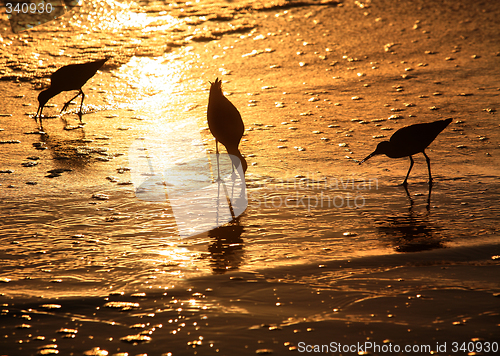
70,77
225,124
411,140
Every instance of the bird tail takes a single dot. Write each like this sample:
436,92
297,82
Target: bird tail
216,87
99,63
441,125
447,122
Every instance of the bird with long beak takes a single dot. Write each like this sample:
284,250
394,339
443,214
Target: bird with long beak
411,140
225,124
70,77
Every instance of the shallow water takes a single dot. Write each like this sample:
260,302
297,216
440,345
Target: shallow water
318,86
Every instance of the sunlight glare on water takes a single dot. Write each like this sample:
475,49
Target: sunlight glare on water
110,15
152,76
176,254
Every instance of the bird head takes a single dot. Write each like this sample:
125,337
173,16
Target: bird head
382,148
43,97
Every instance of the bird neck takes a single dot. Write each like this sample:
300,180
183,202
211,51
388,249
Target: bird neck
385,147
46,95
236,152
244,163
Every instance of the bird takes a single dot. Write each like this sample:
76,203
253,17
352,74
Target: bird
409,141
225,124
70,77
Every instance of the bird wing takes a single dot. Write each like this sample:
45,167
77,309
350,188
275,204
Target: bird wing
63,77
409,136
415,138
74,76
224,121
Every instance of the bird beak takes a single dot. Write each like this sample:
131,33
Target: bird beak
367,158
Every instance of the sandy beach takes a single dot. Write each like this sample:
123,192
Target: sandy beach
328,257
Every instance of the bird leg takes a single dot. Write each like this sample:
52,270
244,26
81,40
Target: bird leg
67,104
228,199
217,154
409,170
81,106
39,116
428,166
409,197
217,209
428,206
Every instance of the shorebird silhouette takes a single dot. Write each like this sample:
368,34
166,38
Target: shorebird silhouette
225,124
70,77
411,140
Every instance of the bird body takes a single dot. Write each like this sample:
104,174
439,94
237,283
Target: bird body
411,140
225,123
70,77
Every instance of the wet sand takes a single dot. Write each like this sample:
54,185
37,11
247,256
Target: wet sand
394,300
318,87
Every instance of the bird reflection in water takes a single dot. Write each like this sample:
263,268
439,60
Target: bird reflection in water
235,196
428,205
411,231
69,152
226,248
